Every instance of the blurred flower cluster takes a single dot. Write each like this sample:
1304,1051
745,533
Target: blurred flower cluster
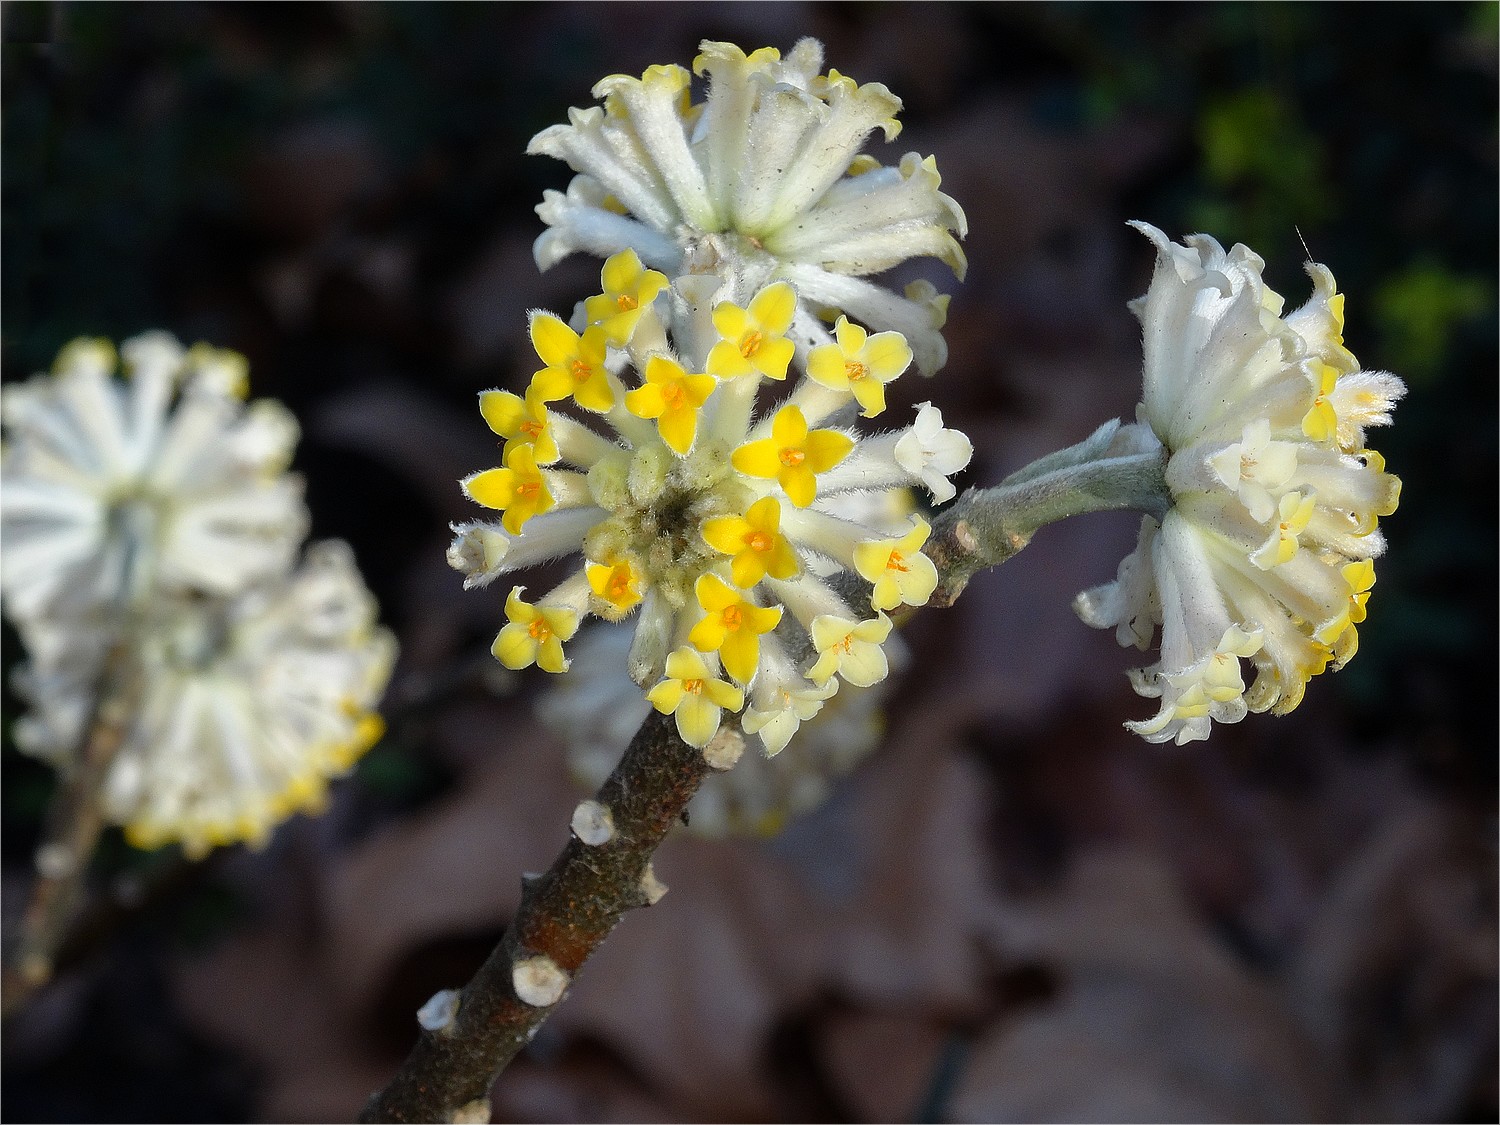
149,540
752,540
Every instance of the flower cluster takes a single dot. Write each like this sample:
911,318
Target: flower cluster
148,537
1266,552
712,518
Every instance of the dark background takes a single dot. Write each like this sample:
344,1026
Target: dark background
1017,911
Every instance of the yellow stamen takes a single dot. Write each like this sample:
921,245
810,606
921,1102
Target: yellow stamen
791,458
538,630
855,370
759,541
692,687
750,344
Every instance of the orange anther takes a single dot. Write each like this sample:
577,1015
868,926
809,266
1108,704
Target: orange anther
627,302
791,457
692,687
732,618
896,562
750,344
855,370
538,630
531,429
759,541
530,488
581,370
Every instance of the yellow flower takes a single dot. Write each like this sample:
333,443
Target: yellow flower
850,648
732,627
575,364
519,489
1294,513
897,568
618,585
860,363
673,398
694,697
535,635
629,289
792,455
754,338
755,541
520,421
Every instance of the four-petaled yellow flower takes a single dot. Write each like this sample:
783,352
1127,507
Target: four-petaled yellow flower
575,364
629,289
792,455
755,336
535,634
755,541
520,421
694,697
850,648
1341,633
1294,513
860,363
618,585
732,627
898,569
673,398
518,489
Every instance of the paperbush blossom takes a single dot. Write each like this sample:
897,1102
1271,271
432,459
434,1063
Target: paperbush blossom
150,531
713,518
760,181
1265,553
250,706
163,481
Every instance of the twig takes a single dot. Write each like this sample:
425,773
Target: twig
469,1037
74,824
564,916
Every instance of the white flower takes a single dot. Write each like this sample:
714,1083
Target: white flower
933,454
165,481
760,181
1266,552
248,707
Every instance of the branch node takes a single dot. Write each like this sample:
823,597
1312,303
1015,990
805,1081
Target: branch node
593,823
652,888
724,749
965,536
538,981
437,1014
476,1112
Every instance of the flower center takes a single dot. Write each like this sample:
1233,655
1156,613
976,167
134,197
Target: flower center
538,630
732,618
581,370
532,430
674,396
896,562
619,585
692,687
791,457
528,490
855,370
758,541
847,644
627,302
750,344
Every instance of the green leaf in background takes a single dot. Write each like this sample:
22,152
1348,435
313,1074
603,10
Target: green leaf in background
1419,308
